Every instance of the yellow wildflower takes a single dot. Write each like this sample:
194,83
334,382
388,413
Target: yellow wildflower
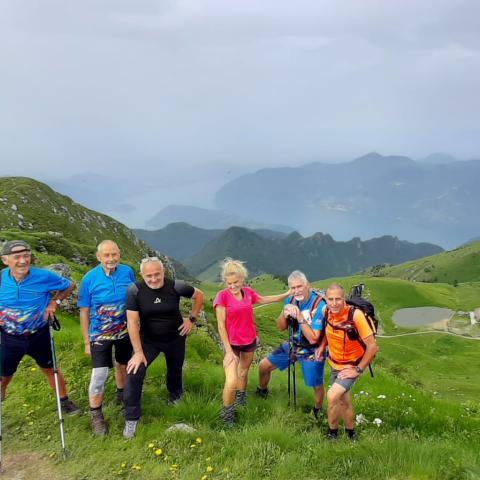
209,469
198,440
158,451
151,445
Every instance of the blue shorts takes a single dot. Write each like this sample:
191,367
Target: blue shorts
14,347
312,370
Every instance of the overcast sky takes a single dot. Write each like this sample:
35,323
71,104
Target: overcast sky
153,85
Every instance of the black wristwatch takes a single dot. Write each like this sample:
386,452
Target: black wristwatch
359,369
192,318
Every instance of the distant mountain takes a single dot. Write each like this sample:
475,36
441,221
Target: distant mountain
459,265
181,240
370,196
319,256
209,219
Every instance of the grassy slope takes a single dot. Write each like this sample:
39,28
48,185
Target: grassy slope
459,265
423,435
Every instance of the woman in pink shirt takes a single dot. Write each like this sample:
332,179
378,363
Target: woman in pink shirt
236,326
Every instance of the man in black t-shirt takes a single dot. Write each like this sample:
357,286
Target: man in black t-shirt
155,325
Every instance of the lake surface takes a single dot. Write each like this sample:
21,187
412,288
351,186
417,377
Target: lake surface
414,317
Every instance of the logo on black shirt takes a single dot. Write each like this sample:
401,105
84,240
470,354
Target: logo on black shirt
157,300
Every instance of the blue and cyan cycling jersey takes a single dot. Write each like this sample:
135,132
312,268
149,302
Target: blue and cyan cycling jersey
314,319
23,304
105,297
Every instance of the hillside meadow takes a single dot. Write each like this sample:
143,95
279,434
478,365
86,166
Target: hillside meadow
424,395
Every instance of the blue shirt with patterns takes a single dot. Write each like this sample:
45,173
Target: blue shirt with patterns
105,296
23,304
313,318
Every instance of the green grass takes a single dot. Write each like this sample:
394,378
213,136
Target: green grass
421,436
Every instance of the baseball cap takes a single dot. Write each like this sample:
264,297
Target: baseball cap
11,244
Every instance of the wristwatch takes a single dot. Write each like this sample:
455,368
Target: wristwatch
192,318
359,369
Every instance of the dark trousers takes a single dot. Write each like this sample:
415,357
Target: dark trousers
174,351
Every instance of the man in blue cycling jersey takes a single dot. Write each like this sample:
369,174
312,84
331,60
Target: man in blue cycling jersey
104,326
28,297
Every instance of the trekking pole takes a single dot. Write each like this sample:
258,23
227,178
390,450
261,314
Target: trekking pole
291,360
54,324
289,356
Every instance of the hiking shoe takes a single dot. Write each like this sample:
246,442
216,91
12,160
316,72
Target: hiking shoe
261,392
69,408
317,413
240,398
174,400
352,435
119,397
331,435
227,415
97,422
130,429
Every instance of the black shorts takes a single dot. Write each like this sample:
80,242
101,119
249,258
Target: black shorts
101,352
251,347
14,347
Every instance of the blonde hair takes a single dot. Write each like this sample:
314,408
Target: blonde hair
230,266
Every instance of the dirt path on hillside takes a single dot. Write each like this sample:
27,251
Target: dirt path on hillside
28,466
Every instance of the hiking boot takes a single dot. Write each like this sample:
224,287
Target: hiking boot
130,429
69,408
227,415
317,413
240,398
97,422
331,435
174,400
261,392
119,397
352,435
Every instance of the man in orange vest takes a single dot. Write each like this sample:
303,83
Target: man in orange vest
351,347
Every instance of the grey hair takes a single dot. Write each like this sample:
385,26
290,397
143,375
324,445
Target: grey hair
336,286
297,274
146,260
103,243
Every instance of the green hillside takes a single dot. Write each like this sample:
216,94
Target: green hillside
54,225
30,206
459,265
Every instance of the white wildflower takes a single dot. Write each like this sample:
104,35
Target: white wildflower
360,418
381,397
377,422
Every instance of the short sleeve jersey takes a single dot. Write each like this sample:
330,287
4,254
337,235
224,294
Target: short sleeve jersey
159,308
105,296
239,318
314,318
23,304
342,351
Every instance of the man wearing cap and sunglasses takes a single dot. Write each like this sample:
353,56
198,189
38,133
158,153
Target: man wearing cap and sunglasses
28,297
155,325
